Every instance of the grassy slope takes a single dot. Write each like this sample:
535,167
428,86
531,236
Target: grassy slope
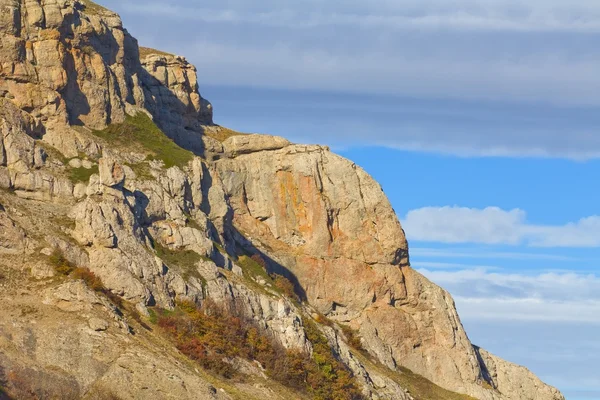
141,133
93,8
146,51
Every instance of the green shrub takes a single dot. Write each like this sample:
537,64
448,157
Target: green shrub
60,263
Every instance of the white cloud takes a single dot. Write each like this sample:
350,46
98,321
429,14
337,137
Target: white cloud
483,295
493,225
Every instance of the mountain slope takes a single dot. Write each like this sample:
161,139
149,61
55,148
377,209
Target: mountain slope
109,232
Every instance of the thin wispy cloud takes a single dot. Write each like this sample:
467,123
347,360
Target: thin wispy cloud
452,266
549,296
493,225
428,252
463,15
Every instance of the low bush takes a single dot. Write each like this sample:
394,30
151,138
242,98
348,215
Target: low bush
90,279
284,286
352,338
214,338
60,263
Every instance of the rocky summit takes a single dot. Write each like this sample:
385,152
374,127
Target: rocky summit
147,253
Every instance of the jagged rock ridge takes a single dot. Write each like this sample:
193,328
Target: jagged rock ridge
68,70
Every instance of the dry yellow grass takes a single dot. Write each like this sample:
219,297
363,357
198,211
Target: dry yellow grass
146,51
220,133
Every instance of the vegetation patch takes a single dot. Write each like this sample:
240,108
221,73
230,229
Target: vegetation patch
214,339
330,374
52,152
255,270
184,260
141,133
191,223
221,133
60,262
81,174
93,8
146,51
352,338
142,171
423,389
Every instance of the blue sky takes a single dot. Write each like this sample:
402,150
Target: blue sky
479,118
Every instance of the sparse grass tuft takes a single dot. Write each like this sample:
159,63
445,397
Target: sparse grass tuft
423,389
141,133
254,268
52,152
419,387
142,171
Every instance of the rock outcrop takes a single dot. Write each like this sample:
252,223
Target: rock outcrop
69,62
158,230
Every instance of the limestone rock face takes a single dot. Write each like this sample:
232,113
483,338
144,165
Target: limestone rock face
12,237
159,236
513,381
111,172
244,144
327,224
173,95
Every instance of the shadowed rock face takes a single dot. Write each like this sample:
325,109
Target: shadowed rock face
69,66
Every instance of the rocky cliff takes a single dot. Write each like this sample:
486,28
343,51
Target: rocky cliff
107,226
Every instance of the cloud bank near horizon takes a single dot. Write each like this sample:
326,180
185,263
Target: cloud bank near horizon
493,225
